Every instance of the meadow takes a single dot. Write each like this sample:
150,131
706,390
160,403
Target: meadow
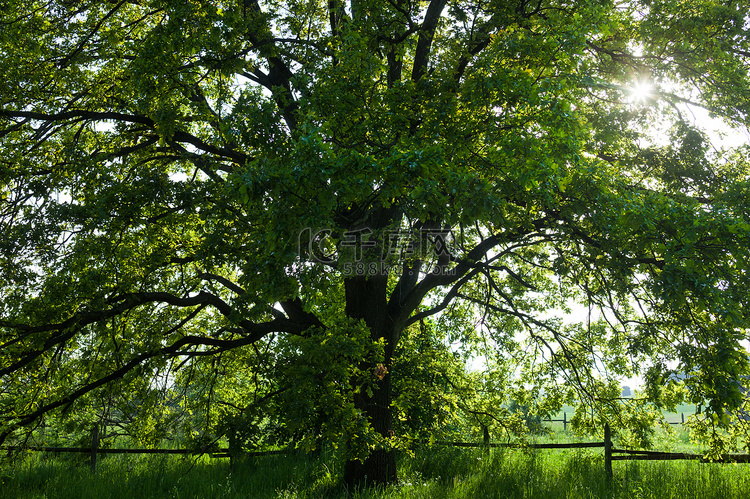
444,472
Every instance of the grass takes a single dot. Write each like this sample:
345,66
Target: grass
438,473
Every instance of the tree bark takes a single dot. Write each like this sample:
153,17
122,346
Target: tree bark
366,299
380,466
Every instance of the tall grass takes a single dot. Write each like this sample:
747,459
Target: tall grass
435,474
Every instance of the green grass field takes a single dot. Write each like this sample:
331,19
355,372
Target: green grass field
437,473
442,472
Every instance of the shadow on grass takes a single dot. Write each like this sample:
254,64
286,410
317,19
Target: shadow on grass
438,473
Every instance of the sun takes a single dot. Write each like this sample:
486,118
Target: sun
640,91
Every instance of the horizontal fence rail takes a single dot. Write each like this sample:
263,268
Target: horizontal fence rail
645,455
100,450
94,451
85,450
610,453
575,445
565,421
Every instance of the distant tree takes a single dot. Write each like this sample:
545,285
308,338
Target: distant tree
264,200
626,391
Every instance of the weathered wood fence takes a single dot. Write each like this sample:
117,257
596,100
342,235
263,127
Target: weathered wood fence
95,451
565,420
610,452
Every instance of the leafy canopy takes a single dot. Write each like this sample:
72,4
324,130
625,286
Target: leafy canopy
227,206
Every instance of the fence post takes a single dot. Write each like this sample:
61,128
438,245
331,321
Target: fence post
486,438
565,421
682,417
607,452
94,446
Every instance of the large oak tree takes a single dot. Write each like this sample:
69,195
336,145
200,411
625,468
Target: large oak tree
322,182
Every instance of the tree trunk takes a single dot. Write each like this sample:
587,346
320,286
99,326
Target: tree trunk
380,466
366,298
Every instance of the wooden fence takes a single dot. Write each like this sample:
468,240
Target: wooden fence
95,450
610,453
565,421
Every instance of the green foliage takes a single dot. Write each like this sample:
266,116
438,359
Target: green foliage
308,223
430,386
320,375
532,422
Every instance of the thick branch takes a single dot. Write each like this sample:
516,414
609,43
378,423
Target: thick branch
65,330
178,136
173,349
465,265
296,312
223,281
449,296
278,79
427,33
